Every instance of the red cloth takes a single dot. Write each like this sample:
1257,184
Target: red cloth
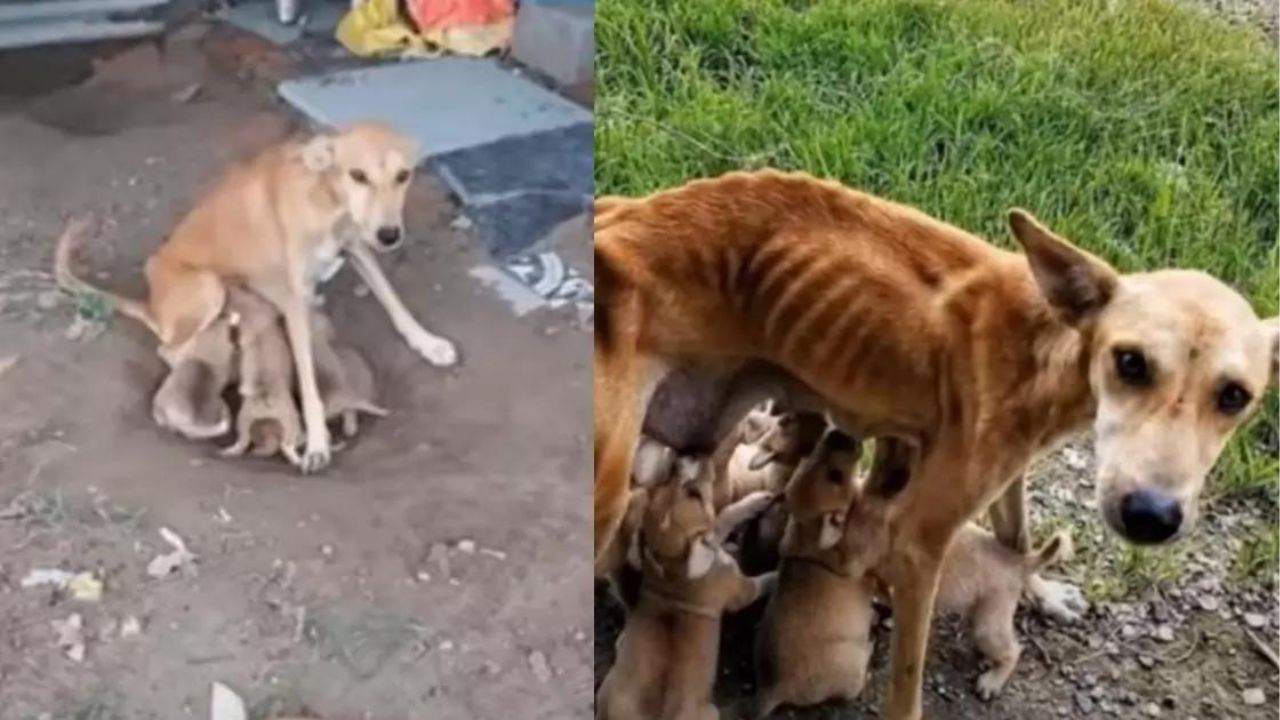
431,14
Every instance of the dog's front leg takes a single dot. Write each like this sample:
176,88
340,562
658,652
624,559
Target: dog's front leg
437,350
913,573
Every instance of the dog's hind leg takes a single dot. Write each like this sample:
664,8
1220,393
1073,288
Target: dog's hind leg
184,303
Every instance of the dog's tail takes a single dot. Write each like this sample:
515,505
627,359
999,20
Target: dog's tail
1057,548
69,281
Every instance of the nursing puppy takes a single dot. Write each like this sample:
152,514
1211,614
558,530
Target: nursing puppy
814,642
667,653
189,400
268,419
345,378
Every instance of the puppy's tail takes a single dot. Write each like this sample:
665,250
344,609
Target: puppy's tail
69,281
1057,548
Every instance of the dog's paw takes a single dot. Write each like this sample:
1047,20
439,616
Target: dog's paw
756,502
315,457
436,350
1059,600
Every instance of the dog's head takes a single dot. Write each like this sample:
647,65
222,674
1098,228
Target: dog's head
1177,362
369,166
791,437
679,521
824,485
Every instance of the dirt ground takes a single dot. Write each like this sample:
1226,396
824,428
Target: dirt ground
436,570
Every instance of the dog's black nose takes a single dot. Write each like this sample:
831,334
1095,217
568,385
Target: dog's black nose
388,235
1150,516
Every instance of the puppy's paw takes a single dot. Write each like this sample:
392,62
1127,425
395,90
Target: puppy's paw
436,350
756,502
1059,600
989,684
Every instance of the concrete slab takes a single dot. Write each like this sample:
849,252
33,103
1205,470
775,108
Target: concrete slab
73,30
446,104
557,40
61,9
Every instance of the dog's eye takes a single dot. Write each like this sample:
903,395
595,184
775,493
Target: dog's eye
1132,367
1232,399
402,177
359,176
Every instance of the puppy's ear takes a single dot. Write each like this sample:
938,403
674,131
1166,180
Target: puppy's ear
1272,327
832,529
319,153
702,557
1073,281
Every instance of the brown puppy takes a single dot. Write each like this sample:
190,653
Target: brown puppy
667,653
268,419
345,378
282,223
814,642
971,359
189,401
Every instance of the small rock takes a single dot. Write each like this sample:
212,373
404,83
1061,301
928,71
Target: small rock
186,94
1151,710
1164,633
423,576
1255,620
446,646
1208,603
1253,696
1146,661
130,627
467,546
1084,702
538,664
71,636
48,299
326,550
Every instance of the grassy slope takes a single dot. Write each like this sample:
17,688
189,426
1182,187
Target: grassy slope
1142,130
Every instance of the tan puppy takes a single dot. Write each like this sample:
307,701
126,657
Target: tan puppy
769,464
983,581
814,642
282,223
268,419
667,653
189,401
971,360
345,378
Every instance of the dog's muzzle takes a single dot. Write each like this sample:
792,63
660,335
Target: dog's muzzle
1150,517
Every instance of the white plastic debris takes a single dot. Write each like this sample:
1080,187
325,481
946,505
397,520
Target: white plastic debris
85,587
130,627
225,704
47,576
162,565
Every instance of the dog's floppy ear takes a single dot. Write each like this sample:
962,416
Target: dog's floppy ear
319,153
702,557
832,529
1073,281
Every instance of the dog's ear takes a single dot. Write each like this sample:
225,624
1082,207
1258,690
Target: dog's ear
1073,281
702,557
1272,326
319,153
832,529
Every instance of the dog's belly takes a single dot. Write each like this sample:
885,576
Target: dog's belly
692,407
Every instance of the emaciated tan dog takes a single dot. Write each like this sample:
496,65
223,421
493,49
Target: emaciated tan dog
667,653
962,359
281,224
814,642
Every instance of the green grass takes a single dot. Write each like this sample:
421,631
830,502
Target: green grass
1145,131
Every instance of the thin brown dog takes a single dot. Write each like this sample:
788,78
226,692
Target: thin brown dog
972,359
281,224
667,653
814,642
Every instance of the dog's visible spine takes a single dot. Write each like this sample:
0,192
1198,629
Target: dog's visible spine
69,281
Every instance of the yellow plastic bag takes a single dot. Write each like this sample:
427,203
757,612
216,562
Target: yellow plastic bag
374,27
